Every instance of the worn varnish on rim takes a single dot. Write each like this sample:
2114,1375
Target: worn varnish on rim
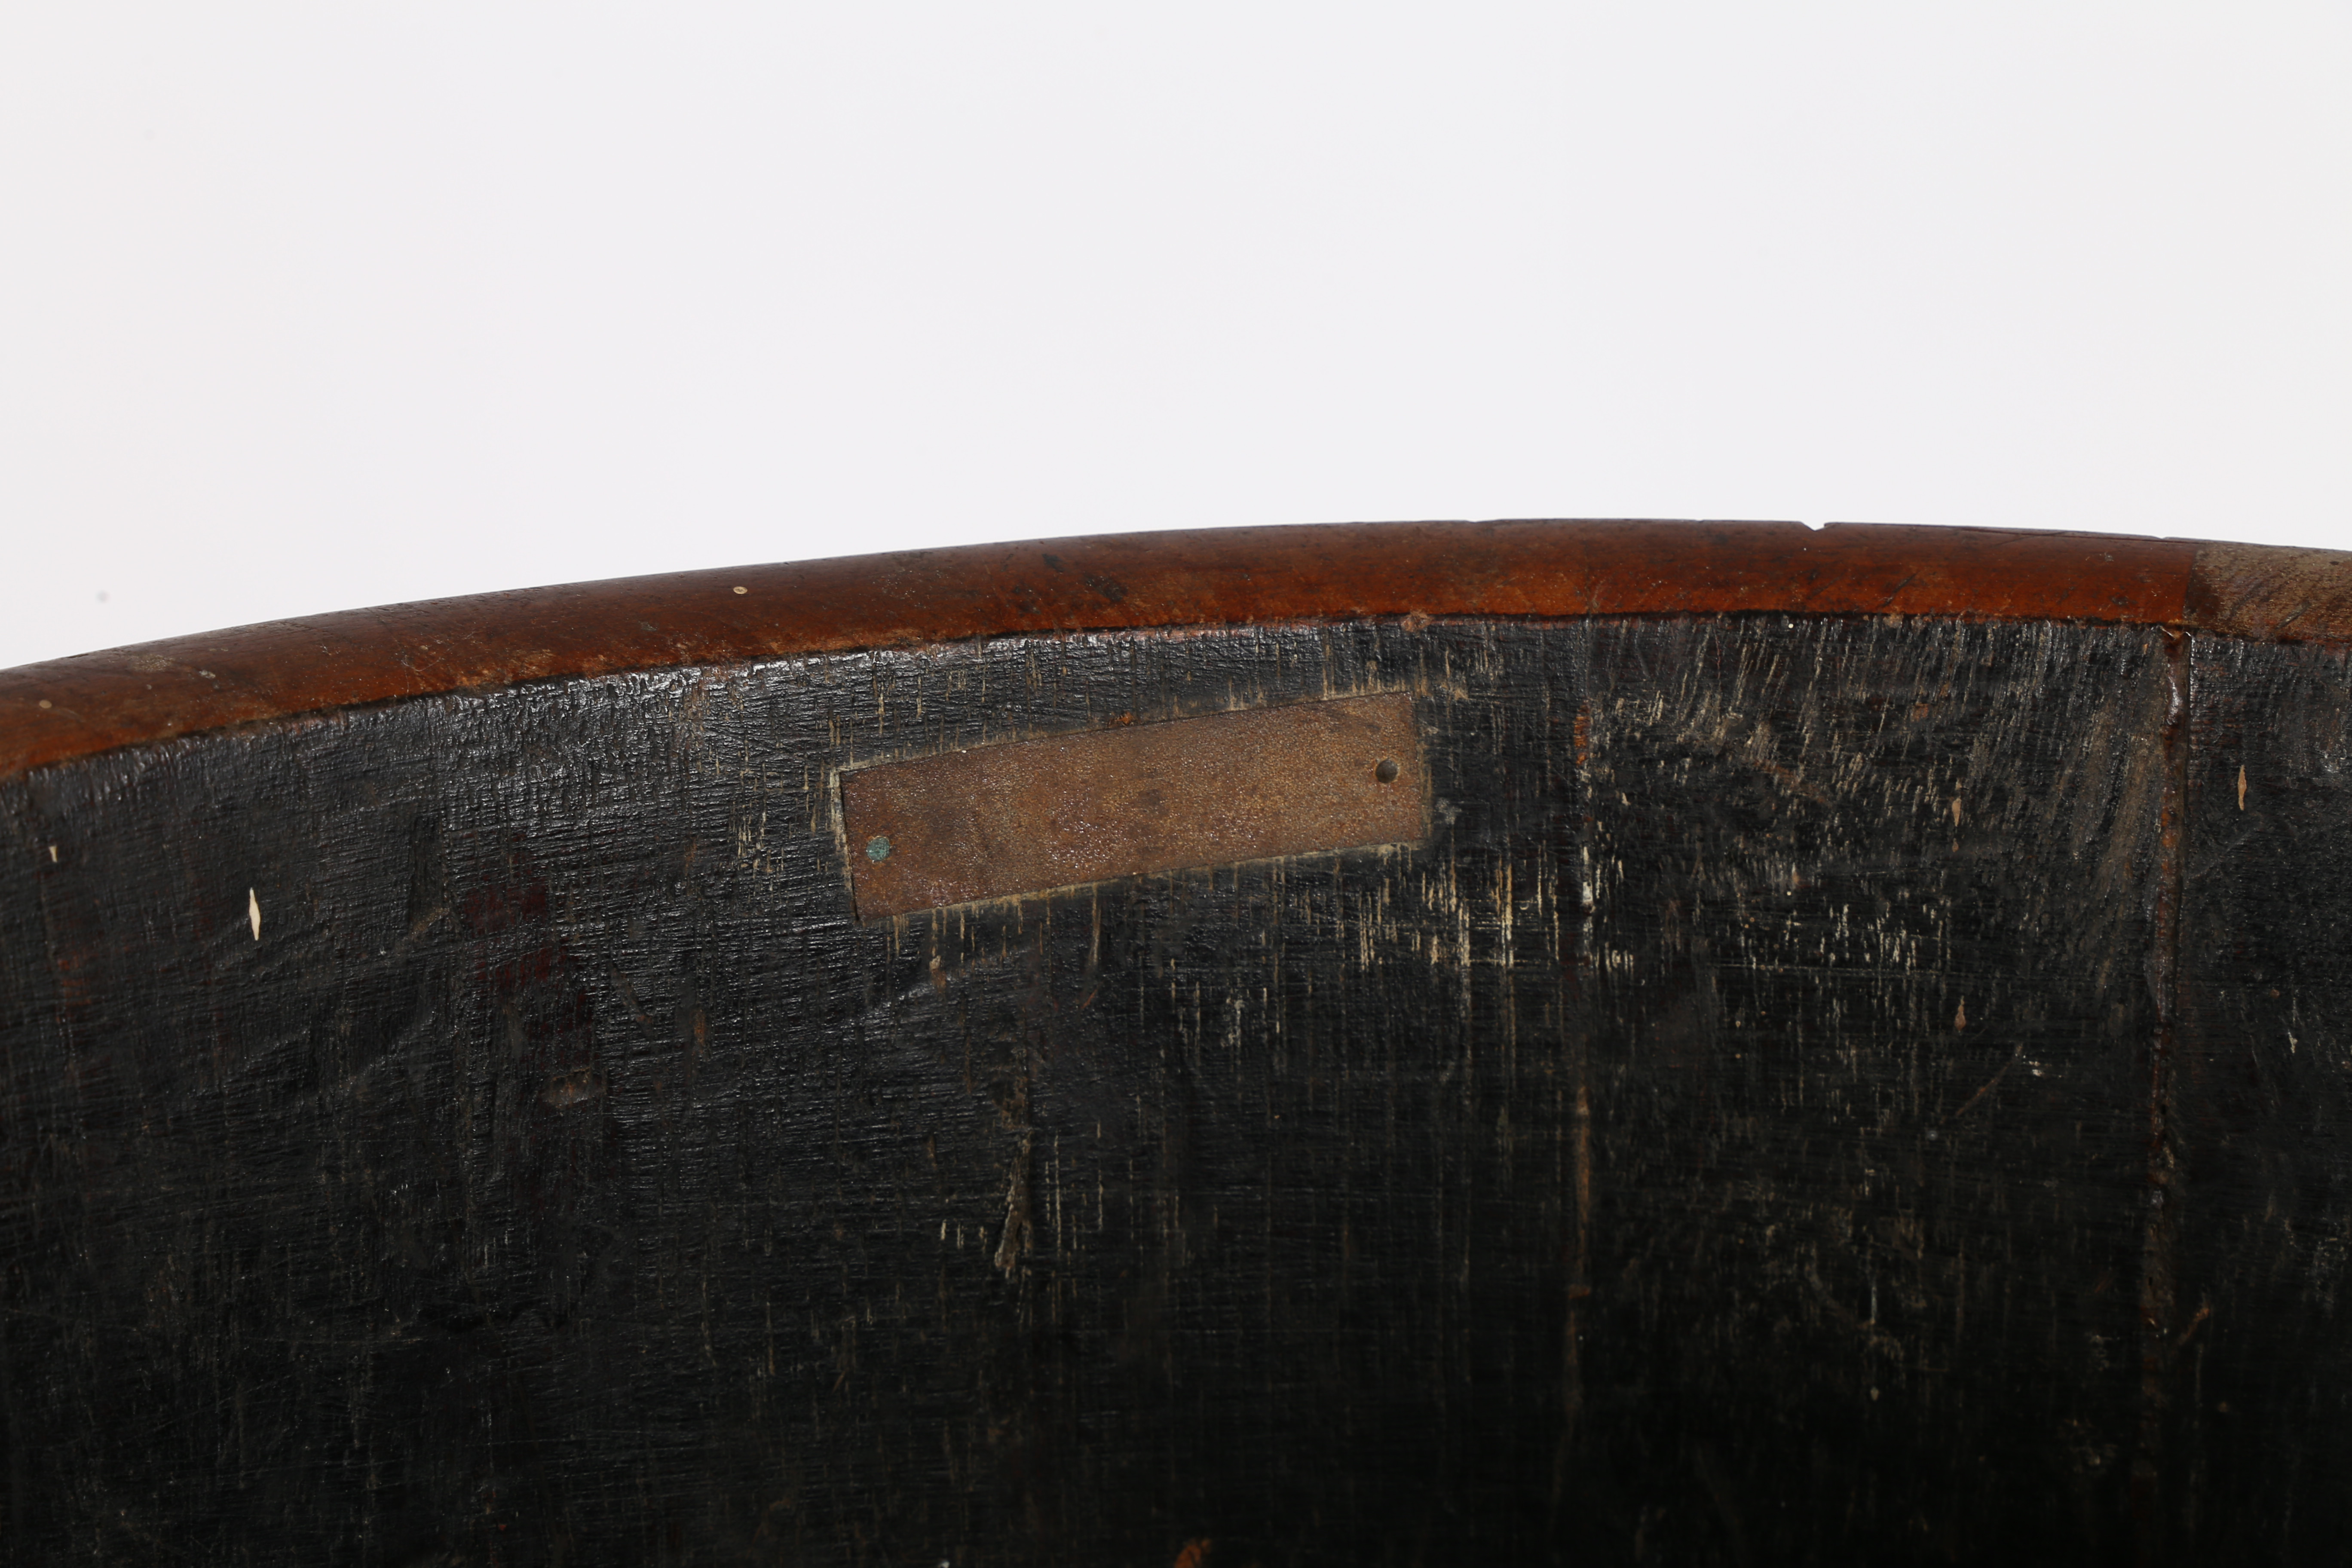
1030,815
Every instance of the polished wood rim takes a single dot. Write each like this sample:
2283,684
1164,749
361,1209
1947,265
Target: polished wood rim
76,706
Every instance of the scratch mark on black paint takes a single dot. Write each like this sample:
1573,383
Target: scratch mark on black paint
1986,1087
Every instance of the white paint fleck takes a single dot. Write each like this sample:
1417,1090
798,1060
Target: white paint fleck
53,854
253,911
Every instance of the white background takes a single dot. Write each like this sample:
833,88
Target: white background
309,306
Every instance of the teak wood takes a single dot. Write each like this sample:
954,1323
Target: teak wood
1826,1047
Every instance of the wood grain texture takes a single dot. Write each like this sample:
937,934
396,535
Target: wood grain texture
1729,1138
2260,1464
1863,951
1216,577
2271,593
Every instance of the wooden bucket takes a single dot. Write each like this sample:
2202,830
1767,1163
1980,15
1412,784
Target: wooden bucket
1515,1043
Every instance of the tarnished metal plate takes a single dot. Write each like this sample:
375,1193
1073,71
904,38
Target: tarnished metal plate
1033,815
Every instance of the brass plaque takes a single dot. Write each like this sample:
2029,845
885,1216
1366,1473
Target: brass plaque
1029,816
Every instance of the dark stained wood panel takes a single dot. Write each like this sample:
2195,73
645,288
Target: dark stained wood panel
1868,906
2260,1465
565,1174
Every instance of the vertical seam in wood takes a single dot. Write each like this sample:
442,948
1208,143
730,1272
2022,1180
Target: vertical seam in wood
2161,1227
1576,926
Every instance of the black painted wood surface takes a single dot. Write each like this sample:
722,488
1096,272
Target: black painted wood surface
1832,1090
2260,1395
